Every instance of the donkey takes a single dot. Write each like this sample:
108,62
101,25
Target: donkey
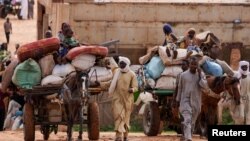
73,96
208,115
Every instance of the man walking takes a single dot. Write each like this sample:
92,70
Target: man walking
241,115
7,29
122,89
189,95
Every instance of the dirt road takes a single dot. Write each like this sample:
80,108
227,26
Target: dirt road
104,136
24,31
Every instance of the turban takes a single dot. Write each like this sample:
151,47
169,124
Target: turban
243,63
167,28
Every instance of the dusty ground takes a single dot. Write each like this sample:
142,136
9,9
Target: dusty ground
104,136
24,31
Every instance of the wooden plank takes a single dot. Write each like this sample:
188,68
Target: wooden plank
77,1
57,1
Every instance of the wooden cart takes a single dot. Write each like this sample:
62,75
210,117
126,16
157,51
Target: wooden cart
39,110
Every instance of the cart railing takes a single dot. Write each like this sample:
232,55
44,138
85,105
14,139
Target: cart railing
41,90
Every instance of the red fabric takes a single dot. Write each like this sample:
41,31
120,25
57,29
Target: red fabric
94,50
38,49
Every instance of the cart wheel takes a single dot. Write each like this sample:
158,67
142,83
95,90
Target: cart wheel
46,132
151,119
3,13
93,121
29,125
161,127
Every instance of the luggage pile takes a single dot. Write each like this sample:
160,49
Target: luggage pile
37,65
161,70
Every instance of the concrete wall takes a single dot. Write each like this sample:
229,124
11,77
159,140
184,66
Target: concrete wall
54,15
138,25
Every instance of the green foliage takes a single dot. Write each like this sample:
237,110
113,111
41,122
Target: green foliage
226,118
107,128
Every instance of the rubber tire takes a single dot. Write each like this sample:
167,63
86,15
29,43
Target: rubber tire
151,119
46,133
93,121
29,124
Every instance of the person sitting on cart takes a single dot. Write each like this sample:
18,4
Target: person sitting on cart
69,40
122,89
192,43
189,93
68,43
61,33
15,107
170,40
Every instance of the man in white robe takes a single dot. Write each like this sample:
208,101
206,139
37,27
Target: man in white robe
122,89
241,114
24,9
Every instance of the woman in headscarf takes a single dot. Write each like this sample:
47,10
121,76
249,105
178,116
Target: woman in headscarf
122,87
61,34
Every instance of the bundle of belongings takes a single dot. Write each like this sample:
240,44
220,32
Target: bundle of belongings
162,64
39,64
159,68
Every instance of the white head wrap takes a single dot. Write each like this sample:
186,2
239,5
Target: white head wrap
243,63
117,74
127,61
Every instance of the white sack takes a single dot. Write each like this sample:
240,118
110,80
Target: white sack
63,70
172,71
51,79
166,82
84,61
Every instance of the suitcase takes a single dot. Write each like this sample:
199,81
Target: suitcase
38,49
94,50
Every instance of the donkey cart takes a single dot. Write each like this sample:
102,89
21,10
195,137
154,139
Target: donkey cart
46,106
159,112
